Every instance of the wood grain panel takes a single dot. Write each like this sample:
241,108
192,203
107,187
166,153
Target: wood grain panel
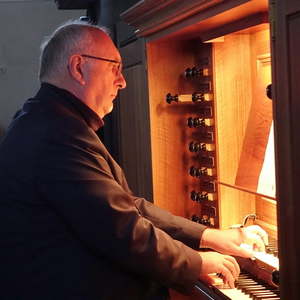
233,101
260,115
170,135
234,206
266,215
232,76
243,115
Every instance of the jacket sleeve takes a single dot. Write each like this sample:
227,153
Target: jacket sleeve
177,227
75,179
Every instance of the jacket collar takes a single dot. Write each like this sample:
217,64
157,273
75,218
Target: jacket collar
92,119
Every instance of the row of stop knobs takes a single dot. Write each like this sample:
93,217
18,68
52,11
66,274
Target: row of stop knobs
207,156
205,135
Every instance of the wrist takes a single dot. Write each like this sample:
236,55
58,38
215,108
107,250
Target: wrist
206,237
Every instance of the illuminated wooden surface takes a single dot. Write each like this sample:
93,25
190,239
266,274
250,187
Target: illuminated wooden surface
233,101
244,115
232,93
260,115
170,135
180,20
267,216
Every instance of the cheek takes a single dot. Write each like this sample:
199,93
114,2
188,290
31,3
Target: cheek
105,90
109,84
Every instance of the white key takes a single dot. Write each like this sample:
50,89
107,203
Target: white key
235,294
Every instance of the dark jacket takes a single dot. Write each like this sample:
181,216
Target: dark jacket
70,228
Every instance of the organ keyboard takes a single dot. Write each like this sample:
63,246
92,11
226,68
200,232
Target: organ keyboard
258,280
248,287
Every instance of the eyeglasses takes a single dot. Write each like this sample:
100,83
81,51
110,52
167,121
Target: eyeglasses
105,59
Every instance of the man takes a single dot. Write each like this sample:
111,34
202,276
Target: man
70,226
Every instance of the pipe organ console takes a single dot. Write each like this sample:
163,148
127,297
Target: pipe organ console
259,278
209,75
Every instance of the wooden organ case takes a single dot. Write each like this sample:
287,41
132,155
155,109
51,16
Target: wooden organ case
212,120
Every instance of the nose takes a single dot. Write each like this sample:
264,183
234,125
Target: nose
121,81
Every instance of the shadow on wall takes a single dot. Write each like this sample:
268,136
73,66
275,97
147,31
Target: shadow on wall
1,133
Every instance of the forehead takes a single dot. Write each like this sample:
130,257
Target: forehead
104,46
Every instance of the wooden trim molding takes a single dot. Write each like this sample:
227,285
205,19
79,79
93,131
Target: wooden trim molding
150,16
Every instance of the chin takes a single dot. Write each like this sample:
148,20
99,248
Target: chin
108,110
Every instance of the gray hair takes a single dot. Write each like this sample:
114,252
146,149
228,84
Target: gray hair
70,38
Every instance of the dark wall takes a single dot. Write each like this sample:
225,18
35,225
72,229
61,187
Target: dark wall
111,9
109,16
23,26
127,129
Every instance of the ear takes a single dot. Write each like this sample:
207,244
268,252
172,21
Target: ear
75,67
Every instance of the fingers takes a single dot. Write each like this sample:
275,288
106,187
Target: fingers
255,229
258,244
234,266
227,276
213,262
230,271
259,231
209,280
256,236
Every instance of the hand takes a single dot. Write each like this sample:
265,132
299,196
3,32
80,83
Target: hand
255,237
214,262
229,241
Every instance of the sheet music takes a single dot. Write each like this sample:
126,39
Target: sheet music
266,182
